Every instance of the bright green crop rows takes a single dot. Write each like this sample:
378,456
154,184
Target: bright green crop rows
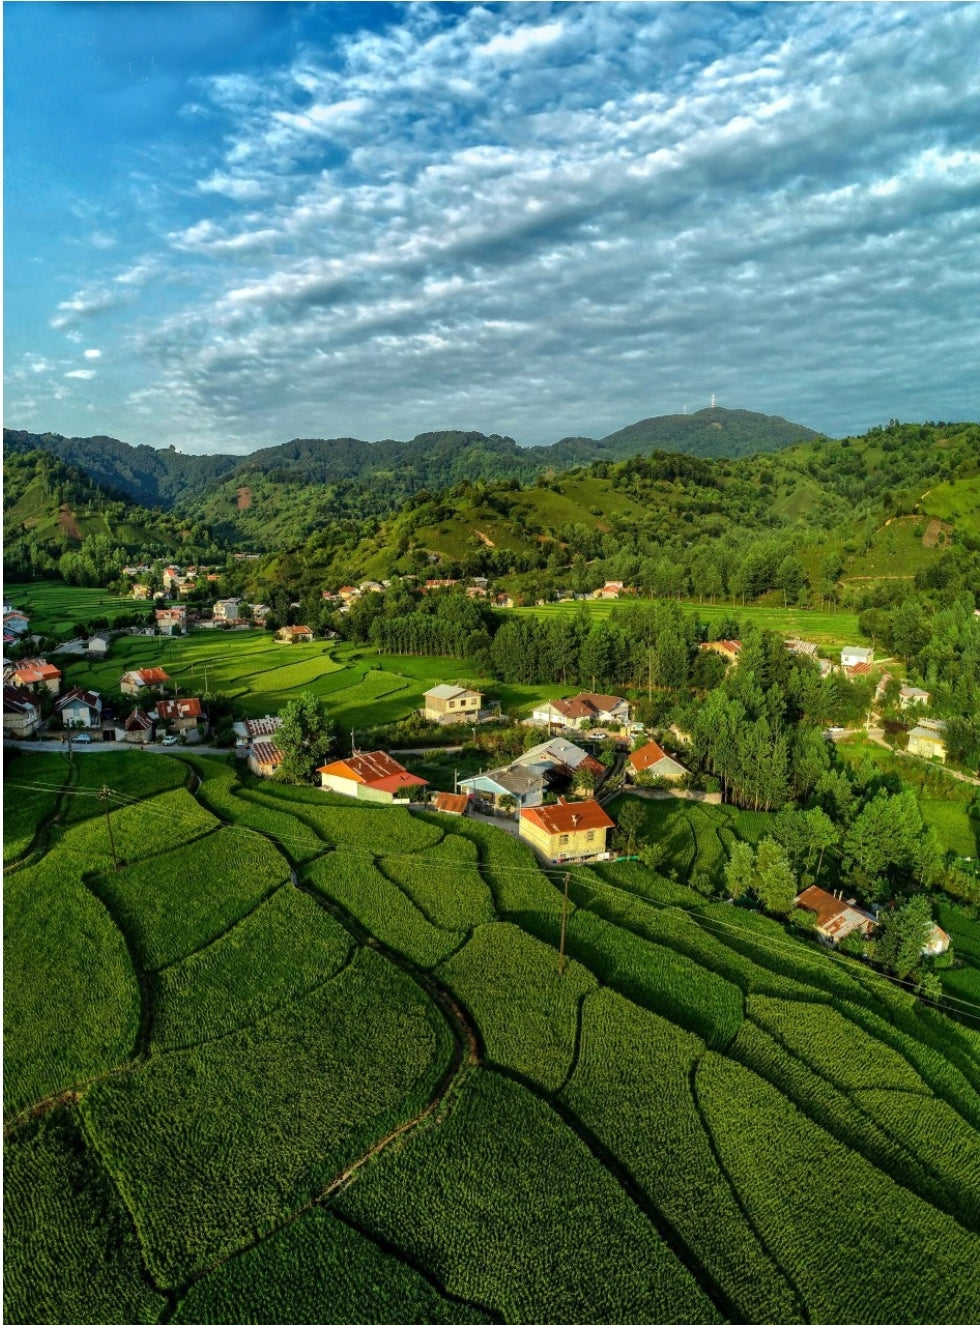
527,1013
215,1144
32,794
172,905
790,1177
631,1089
280,951
351,880
705,1117
70,1251
319,1271
510,1210
444,883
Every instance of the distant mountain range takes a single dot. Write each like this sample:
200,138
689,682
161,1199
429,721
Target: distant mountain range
169,478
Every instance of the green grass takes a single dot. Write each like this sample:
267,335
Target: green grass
822,627
33,793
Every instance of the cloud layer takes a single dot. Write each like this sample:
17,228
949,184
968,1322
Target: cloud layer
538,220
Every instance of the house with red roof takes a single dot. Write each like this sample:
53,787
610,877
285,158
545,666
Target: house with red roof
264,758
294,635
651,761
582,710
37,672
728,649
370,777
450,802
568,831
835,917
171,619
181,715
137,729
145,678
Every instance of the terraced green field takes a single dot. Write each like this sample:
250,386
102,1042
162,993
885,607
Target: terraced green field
825,628
298,1060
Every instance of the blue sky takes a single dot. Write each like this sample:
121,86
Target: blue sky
227,225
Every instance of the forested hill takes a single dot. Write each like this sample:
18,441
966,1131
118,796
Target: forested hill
168,477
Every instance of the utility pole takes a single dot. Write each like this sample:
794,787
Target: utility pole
104,795
564,923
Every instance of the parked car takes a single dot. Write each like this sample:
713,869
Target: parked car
170,740
82,739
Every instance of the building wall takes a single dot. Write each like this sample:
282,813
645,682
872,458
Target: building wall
21,724
343,786
555,846
928,749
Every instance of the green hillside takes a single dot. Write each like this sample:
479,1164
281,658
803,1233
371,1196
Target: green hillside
372,1095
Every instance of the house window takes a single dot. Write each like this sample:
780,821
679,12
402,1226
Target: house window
452,703
563,840
590,835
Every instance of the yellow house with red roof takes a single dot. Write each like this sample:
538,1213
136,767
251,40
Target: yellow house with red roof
570,830
370,777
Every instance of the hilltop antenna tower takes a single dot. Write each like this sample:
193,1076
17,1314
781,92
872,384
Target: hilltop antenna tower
712,400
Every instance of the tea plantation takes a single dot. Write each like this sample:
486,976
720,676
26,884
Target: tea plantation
274,1058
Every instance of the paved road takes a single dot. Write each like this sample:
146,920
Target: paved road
103,747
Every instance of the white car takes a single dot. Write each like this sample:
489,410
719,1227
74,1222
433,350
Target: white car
170,740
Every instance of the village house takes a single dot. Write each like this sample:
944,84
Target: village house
256,728
568,831
294,635
372,777
507,787
146,678
936,943
140,591
37,672
611,589
727,649
99,645
451,703
800,648
263,759
909,696
171,620
853,655
137,729
227,609
553,765
181,715
835,917
448,802
652,762
927,739
15,624
21,713
80,708
583,710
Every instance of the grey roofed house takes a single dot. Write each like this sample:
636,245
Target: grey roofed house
526,785
557,750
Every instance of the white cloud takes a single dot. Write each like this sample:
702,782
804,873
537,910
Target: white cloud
83,374
93,354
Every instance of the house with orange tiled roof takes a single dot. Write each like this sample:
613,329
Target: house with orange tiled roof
170,619
370,777
264,758
37,672
294,635
145,678
450,802
568,831
728,649
651,761
181,715
835,917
